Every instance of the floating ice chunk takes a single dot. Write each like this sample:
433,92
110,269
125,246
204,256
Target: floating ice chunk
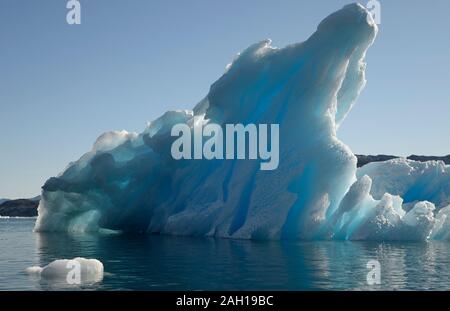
76,271
34,270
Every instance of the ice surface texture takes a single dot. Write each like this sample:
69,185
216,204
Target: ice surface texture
130,182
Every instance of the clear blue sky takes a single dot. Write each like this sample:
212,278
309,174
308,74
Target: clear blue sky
129,61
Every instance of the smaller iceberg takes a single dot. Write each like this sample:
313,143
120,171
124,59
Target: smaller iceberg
398,199
412,180
77,271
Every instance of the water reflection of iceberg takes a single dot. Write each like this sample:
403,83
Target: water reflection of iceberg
149,262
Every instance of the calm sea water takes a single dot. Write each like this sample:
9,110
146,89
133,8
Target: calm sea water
152,262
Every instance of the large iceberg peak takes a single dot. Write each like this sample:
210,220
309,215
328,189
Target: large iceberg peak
351,16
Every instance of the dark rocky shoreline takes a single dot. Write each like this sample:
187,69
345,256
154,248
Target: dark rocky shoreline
19,208
366,159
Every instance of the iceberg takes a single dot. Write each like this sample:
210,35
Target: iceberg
412,180
89,271
130,182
